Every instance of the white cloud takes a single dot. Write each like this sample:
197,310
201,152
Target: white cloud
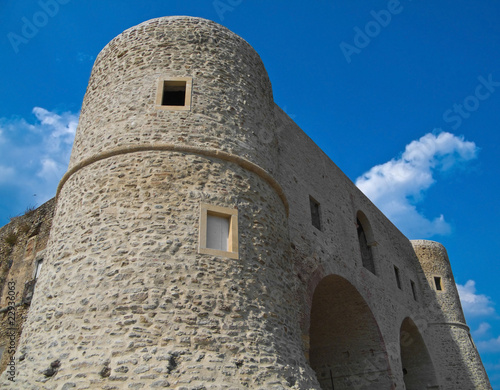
482,330
474,305
51,170
492,345
38,153
59,129
6,174
398,185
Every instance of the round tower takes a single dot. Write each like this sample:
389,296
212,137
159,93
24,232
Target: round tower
167,265
436,266
448,336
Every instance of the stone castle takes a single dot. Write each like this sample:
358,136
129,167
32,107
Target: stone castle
201,240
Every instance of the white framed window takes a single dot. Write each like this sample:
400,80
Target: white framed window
174,93
218,231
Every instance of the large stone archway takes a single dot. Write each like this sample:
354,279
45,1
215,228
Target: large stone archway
346,347
418,370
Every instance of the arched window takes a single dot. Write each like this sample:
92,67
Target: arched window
365,242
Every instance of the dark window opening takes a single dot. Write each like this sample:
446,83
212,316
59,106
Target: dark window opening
413,289
398,280
437,282
174,93
315,213
29,288
366,250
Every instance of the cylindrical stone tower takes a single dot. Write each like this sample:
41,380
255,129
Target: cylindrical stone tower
167,265
454,354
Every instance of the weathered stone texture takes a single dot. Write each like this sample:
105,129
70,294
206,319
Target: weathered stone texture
448,333
125,299
232,103
154,308
22,243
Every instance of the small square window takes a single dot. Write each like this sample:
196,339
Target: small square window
437,283
218,231
174,93
315,213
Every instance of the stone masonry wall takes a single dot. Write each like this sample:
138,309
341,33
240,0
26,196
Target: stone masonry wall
125,300
22,243
449,334
334,250
232,101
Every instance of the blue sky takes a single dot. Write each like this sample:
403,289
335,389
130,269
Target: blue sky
403,96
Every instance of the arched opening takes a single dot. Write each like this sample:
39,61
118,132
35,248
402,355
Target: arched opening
346,347
418,370
365,239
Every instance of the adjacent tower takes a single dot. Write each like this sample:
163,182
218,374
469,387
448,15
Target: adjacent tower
449,336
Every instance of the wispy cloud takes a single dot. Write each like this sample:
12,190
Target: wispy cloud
82,57
6,174
491,345
482,330
34,153
398,185
475,305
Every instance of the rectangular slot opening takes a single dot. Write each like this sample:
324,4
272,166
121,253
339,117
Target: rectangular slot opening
174,93
315,213
38,268
437,283
398,280
413,289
